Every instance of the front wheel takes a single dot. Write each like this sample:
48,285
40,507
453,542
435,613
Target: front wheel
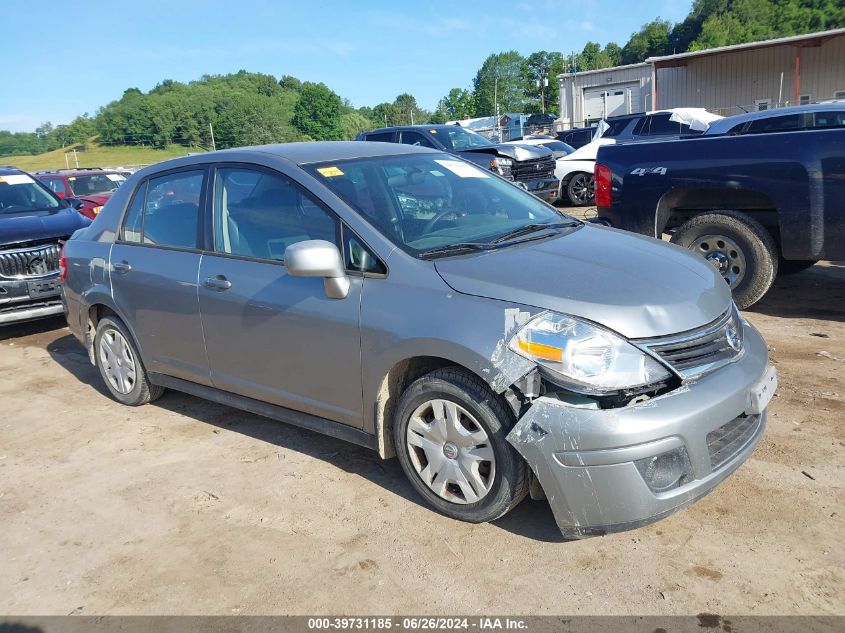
738,246
581,189
449,433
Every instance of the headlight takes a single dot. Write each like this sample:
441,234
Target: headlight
96,210
501,166
584,357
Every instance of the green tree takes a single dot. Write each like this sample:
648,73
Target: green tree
651,40
407,111
458,104
317,113
614,53
500,80
535,67
353,122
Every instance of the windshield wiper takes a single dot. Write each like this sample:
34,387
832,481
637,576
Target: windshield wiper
531,228
452,249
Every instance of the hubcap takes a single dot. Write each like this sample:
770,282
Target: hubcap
724,254
117,361
450,451
584,188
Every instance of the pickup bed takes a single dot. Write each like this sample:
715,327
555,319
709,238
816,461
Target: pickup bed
751,203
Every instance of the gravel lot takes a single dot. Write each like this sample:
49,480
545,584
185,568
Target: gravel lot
185,506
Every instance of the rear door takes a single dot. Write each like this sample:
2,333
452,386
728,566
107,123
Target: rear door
153,270
269,335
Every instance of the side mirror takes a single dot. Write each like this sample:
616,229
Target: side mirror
76,203
318,258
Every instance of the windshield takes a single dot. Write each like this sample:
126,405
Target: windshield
20,193
456,138
559,148
423,202
95,184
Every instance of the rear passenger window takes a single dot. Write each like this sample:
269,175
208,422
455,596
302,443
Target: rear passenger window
777,124
259,214
133,227
171,209
383,137
662,126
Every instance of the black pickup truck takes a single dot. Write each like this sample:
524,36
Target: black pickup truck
532,168
757,194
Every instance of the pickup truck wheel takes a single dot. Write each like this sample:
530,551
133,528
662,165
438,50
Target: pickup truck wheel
120,365
581,189
738,246
449,434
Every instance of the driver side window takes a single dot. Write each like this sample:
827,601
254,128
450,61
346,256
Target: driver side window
259,214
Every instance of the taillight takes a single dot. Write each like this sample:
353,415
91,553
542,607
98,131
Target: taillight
62,265
603,185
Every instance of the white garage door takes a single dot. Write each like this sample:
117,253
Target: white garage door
613,100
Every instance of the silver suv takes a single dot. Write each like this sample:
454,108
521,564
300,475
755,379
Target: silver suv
406,300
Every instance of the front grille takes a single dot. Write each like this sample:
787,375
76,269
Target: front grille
30,261
533,169
729,439
701,350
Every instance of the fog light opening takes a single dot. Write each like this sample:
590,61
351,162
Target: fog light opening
666,471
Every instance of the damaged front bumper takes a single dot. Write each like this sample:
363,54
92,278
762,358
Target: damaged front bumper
609,470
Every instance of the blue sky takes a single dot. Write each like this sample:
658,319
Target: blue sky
61,59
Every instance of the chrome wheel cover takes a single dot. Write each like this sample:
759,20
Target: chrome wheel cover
450,451
724,254
117,361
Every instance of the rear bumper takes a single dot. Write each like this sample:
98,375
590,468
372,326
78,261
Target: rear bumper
25,300
590,462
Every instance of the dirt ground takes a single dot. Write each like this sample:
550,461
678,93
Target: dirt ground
185,506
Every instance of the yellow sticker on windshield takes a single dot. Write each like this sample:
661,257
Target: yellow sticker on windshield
329,172
71,177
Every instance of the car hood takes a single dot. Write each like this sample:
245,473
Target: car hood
39,225
516,152
638,286
96,199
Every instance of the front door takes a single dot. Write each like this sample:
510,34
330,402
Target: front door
271,336
154,268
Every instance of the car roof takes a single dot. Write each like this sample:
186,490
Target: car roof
302,153
8,169
728,123
82,171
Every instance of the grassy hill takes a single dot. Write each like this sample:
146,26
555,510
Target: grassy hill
96,156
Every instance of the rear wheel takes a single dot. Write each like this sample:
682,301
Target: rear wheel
120,364
450,435
738,246
581,189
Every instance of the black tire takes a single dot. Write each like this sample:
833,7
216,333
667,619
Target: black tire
575,189
142,390
793,266
510,481
756,244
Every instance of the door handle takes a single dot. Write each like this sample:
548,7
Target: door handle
121,267
218,283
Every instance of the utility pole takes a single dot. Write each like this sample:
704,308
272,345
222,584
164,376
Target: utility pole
542,84
211,129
